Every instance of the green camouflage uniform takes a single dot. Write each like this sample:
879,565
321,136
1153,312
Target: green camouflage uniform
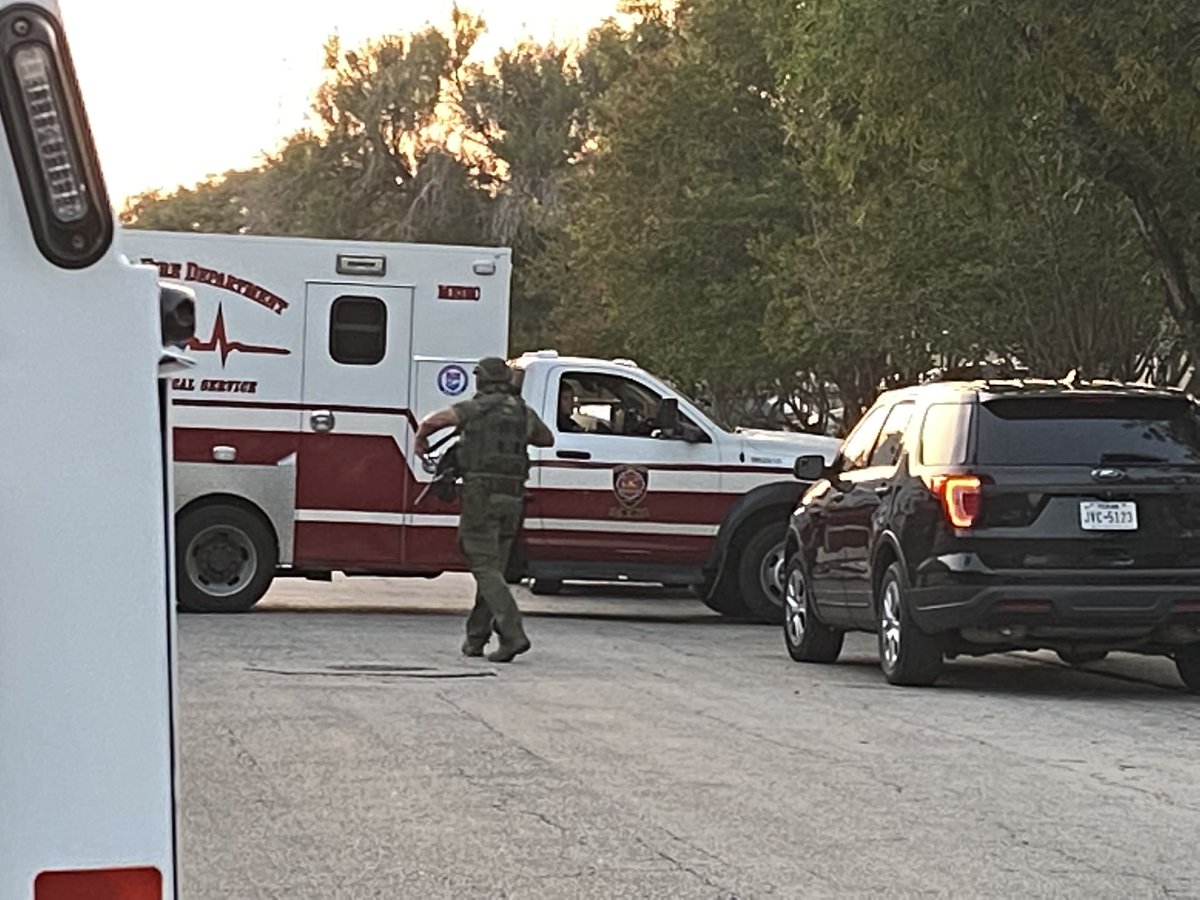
496,430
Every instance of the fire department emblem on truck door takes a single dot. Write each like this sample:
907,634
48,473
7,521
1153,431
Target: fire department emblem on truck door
630,484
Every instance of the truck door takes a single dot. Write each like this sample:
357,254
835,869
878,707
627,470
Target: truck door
611,499
352,480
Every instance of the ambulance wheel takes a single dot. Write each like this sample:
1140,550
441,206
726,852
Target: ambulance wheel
225,558
760,574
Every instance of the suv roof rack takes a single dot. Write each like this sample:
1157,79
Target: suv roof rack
998,379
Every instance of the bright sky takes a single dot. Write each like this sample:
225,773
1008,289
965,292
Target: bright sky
176,91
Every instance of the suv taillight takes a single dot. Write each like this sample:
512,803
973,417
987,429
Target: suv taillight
961,497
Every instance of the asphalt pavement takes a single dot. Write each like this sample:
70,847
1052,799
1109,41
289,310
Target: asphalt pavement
335,745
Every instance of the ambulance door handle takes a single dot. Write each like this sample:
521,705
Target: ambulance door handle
322,420
573,454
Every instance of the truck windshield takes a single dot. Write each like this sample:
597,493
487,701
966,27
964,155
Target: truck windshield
704,408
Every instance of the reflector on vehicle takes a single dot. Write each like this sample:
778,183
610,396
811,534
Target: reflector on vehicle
100,884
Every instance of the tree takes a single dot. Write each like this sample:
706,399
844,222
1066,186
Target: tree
380,166
683,175
526,114
1108,93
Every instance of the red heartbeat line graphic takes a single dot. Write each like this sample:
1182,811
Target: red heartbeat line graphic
220,342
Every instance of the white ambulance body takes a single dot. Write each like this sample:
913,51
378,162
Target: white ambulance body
316,359
87,740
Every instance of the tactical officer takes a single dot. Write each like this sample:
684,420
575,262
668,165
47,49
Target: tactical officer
495,429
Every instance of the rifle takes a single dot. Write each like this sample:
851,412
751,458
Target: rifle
445,469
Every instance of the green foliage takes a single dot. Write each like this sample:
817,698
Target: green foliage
782,206
1086,97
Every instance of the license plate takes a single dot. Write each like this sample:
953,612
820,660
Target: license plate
1097,516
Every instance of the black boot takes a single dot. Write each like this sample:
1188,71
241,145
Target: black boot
509,650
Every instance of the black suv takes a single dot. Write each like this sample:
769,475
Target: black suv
973,518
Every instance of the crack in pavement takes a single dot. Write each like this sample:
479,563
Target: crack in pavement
542,817
462,710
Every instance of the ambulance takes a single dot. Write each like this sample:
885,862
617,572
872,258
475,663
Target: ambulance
88,342
316,359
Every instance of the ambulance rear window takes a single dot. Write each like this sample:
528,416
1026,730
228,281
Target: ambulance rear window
358,331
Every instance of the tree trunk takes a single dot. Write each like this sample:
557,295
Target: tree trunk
1181,300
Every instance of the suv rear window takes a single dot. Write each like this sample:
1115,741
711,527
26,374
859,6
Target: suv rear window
1049,431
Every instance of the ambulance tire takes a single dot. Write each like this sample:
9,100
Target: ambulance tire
229,547
760,574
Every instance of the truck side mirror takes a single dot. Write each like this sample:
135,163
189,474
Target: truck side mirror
809,468
668,421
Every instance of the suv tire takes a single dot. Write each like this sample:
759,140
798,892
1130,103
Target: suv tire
808,639
1187,661
907,655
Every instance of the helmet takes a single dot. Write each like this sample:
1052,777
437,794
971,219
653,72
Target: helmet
492,370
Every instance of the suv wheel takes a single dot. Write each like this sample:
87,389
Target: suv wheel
1187,661
807,638
907,655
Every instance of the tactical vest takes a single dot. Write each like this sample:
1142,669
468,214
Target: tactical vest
493,444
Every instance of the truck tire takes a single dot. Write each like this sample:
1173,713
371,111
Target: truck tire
225,558
514,570
724,599
1187,662
760,567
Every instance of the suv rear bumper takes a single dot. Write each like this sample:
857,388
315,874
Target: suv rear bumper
959,592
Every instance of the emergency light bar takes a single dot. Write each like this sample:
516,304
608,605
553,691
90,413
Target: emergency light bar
68,200
51,145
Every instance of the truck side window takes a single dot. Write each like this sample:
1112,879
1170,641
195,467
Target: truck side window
358,331
609,404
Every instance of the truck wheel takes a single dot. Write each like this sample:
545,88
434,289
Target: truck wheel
724,599
514,571
1187,661
907,655
225,559
760,574
546,587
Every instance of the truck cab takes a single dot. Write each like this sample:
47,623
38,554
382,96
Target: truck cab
642,485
